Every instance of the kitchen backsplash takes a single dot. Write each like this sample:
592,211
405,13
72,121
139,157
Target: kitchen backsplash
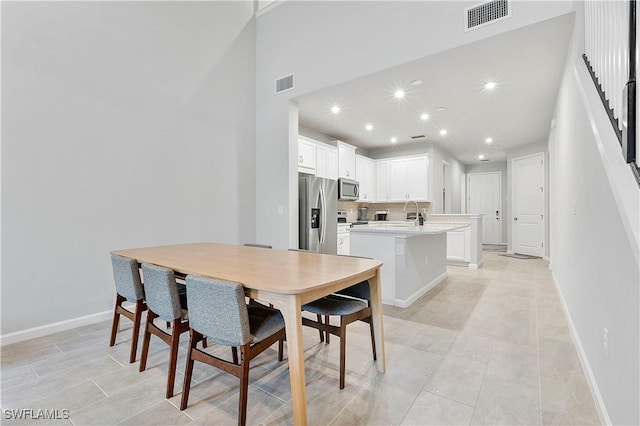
395,209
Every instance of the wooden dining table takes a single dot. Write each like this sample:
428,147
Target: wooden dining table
286,279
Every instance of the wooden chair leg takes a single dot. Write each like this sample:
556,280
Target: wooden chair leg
173,357
234,354
280,349
319,317
204,343
188,370
373,339
140,308
244,384
327,321
343,347
145,340
116,320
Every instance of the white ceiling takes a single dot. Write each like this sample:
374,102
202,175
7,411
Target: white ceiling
526,63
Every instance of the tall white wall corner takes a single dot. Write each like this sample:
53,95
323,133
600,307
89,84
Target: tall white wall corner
623,185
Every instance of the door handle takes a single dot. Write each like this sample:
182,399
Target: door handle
515,218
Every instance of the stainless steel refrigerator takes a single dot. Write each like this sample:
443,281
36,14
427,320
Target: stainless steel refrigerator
318,214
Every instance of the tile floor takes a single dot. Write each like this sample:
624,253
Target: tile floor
488,346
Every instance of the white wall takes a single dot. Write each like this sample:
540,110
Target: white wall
124,125
456,172
592,257
501,167
325,43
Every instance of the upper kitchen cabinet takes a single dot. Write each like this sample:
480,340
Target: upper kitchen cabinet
418,178
306,155
383,191
366,176
407,179
326,161
346,160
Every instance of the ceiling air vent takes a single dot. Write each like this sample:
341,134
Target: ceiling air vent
284,83
417,137
487,13
486,159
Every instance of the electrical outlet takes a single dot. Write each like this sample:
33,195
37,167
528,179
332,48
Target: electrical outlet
280,209
399,249
426,260
573,207
605,341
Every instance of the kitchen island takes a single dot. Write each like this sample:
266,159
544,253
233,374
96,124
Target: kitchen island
414,257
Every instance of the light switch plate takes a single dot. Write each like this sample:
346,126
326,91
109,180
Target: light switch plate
399,249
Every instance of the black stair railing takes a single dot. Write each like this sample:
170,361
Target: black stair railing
610,57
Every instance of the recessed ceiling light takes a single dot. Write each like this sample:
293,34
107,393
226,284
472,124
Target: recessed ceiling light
488,140
424,117
394,140
443,132
480,157
489,85
335,109
416,82
399,94
440,109
368,127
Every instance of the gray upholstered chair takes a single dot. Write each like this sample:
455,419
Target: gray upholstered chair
164,301
350,304
129,288
217,311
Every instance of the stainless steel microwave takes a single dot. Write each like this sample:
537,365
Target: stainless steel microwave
348,190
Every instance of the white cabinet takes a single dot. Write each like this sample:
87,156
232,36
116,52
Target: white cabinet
326,161
398,180
459,245
346,160
418,178
306,156
332,163
344,241
383,191
366,176
408,179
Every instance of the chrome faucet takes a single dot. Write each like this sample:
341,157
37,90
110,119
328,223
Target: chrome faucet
417,208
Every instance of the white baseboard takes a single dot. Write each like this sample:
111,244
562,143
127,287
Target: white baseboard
476,265
593,385
510,252
405,303
56,327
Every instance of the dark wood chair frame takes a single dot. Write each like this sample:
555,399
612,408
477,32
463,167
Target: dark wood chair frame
135,316
177,327
238,369
341,331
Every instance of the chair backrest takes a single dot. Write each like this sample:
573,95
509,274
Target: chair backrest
360,290
217,309
127,278
161,291
258,245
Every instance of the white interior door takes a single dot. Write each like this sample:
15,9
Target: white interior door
485,195
528,204
446,188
